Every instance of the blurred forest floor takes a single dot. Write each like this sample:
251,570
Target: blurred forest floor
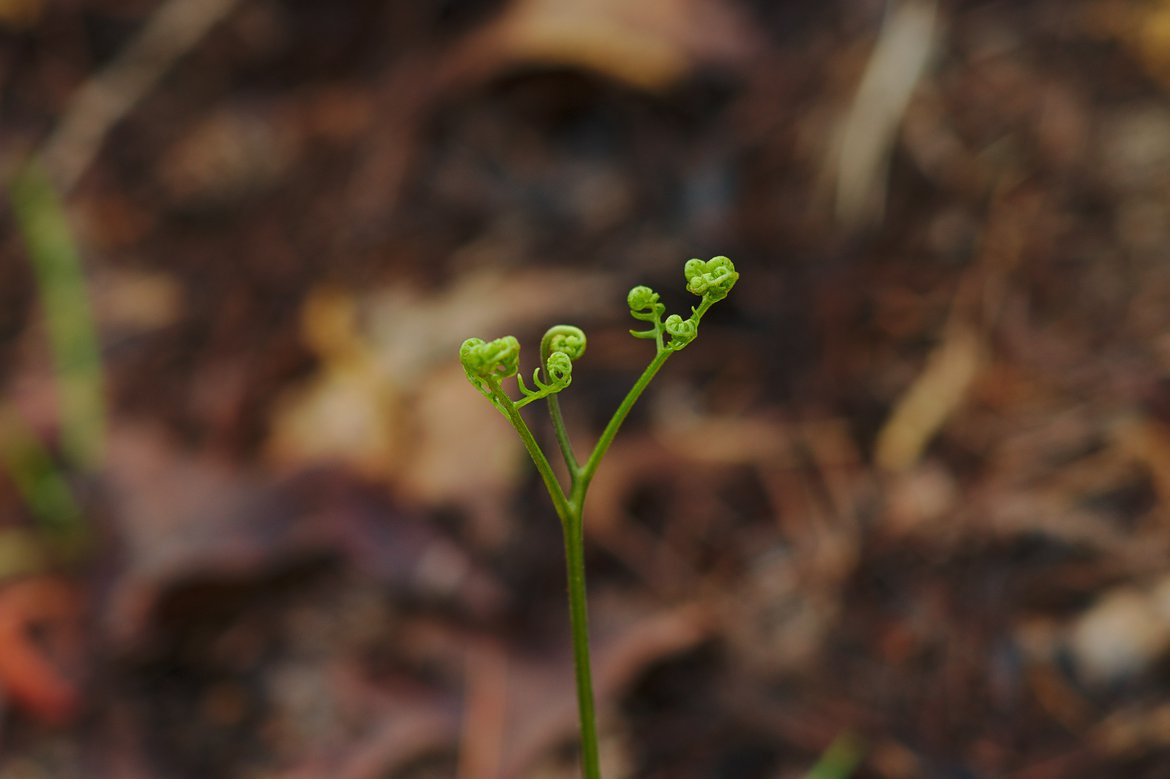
909,493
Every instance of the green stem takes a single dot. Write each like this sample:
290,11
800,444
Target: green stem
505,404
575,559
570,513
698,311
615,423
579,619
570,510
562,435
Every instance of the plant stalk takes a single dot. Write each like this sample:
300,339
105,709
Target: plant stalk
560,503
590,468
562,435
487,363
579,619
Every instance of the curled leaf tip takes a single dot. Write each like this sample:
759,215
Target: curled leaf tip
642,300
644,306
681,331
496,359
559,368
562,338
712,279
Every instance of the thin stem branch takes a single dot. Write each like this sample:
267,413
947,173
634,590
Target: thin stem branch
615,423
562,436
560,502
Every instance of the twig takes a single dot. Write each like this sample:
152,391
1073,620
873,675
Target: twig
902,53
110,94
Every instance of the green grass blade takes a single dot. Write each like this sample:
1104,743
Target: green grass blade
839,761
65,305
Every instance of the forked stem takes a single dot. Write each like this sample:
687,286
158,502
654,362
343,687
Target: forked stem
575,563
487,363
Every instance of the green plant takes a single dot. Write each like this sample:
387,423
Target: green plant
39,476
69,325
489,363
839,760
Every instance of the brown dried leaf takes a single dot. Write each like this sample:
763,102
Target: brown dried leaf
649,44
392,403
183,517
517,708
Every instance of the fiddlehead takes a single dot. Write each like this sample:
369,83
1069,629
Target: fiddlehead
558,369
644,306
681,331
559,347
494,360
710,280
562,338
487,363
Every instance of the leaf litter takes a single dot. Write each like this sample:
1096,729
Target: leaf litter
917,493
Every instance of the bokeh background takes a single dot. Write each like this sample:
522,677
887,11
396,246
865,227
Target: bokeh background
902,510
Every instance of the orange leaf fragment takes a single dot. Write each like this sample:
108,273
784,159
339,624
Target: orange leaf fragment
42,604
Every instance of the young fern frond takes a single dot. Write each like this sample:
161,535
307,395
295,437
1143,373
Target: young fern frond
562,338
644,306
681,331
559,347
710,280
559,369
488,363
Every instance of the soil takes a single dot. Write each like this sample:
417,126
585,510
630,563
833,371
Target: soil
906,499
